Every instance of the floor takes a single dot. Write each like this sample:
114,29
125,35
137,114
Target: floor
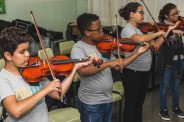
151,106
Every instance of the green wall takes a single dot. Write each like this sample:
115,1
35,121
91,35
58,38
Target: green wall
50,14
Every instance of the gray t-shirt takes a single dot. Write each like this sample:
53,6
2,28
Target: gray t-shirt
11,84
96,88
143,62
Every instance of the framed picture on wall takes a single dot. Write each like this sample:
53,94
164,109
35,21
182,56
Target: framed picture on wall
2,6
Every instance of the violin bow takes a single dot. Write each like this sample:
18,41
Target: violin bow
117,36
153,18
43,47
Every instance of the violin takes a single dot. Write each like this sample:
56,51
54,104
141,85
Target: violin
181,24
109,44
37,69
148,27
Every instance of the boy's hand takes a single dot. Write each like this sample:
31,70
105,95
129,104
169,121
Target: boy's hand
143,49
83,64
54,85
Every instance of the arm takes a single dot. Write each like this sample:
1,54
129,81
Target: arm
117,64
91,69
18,108
78,52
66,83
128,60
146,37
158,42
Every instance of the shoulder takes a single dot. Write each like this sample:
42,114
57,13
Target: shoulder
3,75
78,50
128,31
77,46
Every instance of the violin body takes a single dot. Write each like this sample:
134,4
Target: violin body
37,73
109,44
106,46
148,27
181,24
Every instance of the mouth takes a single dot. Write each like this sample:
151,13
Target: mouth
26,61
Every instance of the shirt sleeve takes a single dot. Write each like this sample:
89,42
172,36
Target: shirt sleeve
112,57
77,53
5,89
128,32
45,82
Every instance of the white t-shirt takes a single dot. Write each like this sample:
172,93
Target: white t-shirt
96,88
143,62
11,84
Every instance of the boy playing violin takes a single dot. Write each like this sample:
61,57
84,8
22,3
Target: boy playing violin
22,101
135,76
95,91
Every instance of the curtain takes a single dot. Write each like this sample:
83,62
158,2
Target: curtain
107,9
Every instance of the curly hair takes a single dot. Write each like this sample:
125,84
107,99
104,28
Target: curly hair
165,10
10,38
84,21
126,10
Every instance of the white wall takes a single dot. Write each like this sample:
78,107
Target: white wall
50,14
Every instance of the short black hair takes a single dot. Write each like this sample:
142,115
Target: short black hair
127,9
10,38
85,20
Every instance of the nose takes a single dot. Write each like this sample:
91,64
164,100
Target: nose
27,54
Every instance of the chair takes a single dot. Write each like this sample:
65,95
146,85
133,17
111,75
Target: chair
2,63
64,115
118,88
66,46
55,45
118,92
117,98
49,52
1,112
75,87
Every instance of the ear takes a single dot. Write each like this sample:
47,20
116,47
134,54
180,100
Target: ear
131,15
166,16
87,33
8,56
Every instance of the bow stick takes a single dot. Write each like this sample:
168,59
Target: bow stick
153,19
43,47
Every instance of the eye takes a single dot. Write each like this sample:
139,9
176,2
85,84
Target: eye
22,51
